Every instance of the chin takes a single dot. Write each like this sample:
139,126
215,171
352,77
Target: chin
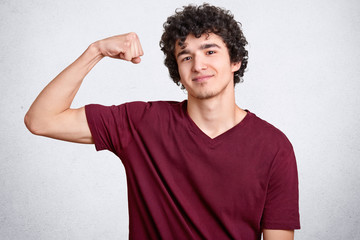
205,95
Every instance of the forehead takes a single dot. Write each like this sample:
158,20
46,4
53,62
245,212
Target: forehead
193,42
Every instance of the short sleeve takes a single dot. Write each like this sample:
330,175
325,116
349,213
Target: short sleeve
281,209
112,127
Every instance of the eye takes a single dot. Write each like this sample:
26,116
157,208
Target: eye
210,52
186,58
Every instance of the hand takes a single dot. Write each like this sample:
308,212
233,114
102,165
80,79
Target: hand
126,47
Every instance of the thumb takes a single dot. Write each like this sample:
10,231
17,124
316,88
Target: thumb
136,60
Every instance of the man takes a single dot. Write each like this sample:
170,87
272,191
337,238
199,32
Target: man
199,169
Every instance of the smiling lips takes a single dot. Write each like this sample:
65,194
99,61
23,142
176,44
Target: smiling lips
202,78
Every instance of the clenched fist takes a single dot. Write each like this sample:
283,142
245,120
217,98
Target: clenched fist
126,46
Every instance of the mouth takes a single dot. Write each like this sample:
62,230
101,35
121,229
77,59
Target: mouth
202,78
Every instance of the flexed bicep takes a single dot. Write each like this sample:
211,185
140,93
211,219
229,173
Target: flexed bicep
50,114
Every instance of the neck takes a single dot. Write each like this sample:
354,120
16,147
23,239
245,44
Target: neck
215,115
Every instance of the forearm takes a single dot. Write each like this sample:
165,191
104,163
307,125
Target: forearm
58,95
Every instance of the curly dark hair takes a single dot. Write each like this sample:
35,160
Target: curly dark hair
198,20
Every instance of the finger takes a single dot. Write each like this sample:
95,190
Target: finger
139,49
136,49
127,55
131,51
122,56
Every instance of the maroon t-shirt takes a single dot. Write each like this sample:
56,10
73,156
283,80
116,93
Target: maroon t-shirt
184,185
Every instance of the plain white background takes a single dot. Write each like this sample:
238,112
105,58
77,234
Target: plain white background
303,77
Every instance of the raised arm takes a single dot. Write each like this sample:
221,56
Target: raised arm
50,114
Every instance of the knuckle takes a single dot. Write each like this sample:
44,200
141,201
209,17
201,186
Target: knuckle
131,36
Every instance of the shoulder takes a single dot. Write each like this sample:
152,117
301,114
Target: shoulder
267,132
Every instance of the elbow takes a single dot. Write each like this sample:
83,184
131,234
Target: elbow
31,124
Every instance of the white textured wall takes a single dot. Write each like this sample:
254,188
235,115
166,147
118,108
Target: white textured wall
303,77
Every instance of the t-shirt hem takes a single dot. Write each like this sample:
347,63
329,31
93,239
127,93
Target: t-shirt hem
281,226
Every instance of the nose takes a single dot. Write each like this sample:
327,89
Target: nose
198,64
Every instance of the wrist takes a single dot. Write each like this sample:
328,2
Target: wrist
94,48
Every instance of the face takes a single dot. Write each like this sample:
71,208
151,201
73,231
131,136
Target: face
204,66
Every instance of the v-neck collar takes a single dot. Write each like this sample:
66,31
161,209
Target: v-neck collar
212,142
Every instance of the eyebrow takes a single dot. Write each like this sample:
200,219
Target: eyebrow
202,47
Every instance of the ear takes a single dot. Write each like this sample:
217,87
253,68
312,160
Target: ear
235,66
